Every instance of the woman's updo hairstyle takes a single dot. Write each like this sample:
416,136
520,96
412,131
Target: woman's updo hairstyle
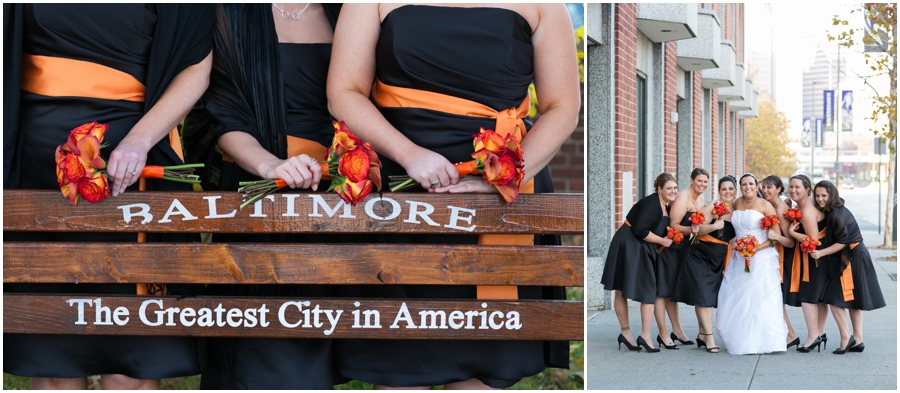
662,179
729,179
775,181
699,171
807,184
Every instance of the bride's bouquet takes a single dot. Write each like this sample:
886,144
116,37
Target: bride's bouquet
746,246
673,234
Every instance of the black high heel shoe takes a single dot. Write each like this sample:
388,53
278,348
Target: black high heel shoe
858,348
623,340
795,342
659,341
824,340
701,342
815,344
640,342
674,337
850,344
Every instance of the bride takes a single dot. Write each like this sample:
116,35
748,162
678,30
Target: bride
750,318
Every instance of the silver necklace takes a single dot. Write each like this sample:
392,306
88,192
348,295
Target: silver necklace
289,15
751,203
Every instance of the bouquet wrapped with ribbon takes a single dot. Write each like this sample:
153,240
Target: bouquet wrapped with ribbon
497,159
697,218
794,215
350,163
81,172
746,246
809,245
673,234
720,209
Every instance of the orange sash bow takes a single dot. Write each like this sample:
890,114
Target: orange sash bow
508,121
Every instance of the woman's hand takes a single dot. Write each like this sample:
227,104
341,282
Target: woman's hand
666,242
297,172
125,164
773,235
695,229
793,227
816,254
430,169
719,224
467,184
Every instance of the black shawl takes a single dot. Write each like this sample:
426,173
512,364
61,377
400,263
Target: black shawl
841,228
246,90
182,37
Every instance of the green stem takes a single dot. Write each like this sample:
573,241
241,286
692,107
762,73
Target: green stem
185,166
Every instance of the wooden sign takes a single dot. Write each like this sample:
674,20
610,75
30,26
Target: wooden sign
156,211
393,319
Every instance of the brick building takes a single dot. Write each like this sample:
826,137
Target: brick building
667,91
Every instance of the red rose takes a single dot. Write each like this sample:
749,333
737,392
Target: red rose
354,165
95,188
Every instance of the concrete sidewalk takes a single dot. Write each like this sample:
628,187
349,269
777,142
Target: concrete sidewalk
693,368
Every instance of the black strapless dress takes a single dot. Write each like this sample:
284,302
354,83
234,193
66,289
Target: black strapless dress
700,276
122,41
483,55
814,290
668,263
280,363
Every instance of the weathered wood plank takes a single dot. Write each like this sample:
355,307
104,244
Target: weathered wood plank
488,320
252,263
48,211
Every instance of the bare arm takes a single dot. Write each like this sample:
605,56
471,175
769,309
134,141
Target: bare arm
783,224
250,155
131,154
350,78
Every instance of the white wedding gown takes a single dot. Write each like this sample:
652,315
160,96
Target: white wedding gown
750,318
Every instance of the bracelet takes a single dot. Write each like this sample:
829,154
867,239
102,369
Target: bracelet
270,167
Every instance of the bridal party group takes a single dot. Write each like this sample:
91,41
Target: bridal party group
749,253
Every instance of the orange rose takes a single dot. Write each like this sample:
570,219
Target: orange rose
354,165
72,168
70,192
374,165
490,140
353,193
499,170
344,140
94,129
89,147
95,188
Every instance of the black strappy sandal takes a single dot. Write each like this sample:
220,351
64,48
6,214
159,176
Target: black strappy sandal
703,343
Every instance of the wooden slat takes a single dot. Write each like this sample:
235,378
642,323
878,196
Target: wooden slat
47,211
251,263
53,314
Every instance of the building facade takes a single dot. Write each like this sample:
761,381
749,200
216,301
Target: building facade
667,91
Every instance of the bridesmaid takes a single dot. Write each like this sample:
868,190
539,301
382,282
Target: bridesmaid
852,281
772,188
629,269
688,201
701,271
808,280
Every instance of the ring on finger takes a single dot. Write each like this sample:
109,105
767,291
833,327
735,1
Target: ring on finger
132,173
312,162
435,184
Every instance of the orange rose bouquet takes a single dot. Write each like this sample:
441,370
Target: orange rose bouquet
497,159
746,246
673,234
720,209
350,163
767,223
81,172
697,218
809,245
794,215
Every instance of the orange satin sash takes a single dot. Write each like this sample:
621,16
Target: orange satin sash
508,121
295,147
61,77
709,239
795,266
847,277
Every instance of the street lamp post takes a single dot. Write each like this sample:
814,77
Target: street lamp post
839,124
